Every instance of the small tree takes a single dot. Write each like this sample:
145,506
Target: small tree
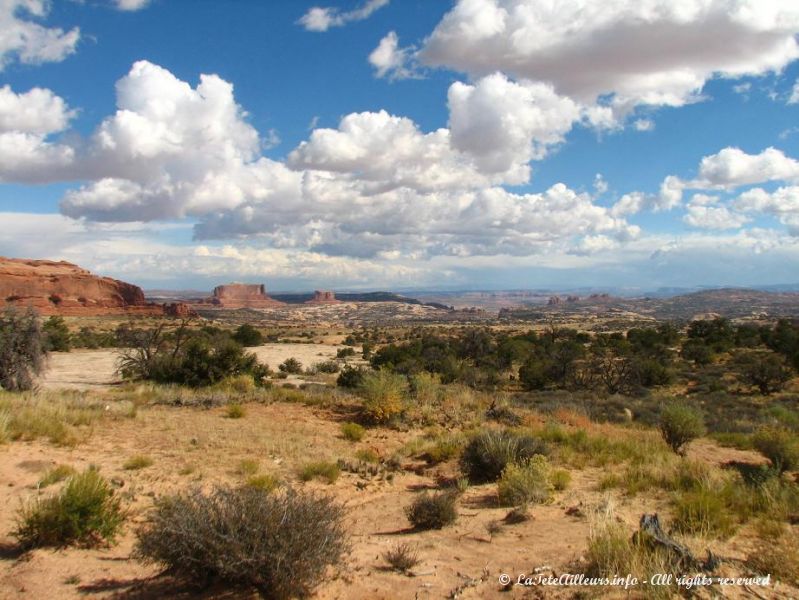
22,350
679,425
57,338
290,365
248,336
766,371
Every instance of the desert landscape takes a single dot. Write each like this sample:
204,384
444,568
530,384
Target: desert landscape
399,299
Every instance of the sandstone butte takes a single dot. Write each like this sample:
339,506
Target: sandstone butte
243,295
62,288
323,297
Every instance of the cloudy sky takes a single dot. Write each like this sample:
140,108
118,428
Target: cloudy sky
365,144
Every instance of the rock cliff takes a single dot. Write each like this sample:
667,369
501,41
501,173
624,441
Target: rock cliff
62,288
243,295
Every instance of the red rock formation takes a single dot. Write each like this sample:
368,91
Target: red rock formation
243,295
323,297
61,288
554,300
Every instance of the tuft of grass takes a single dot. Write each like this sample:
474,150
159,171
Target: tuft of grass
137,462
323,470
488,453
248,467
432,511
187,469
266,482
56,475
402,557
85,512
560,479
704,512
352,432
368,455
525,482
235,411
780,446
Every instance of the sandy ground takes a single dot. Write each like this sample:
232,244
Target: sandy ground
96,369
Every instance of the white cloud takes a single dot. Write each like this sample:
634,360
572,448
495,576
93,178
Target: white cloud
732,167
713,217
323,18
36,111
644,125
390,60
600,185
131,5
794,98
782,203
22,39
504,124
657,52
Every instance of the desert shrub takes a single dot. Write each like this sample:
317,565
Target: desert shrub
194,359
432,511
703,511
350,377
345,352
280,544
55,475
248,466
518,514
383,395
679,425
780,446
352,432
22,349
488,453
84,512
525,482
444,447
56,335
324,470
235,411
290,365
134,463
265,482
697,352
560,479
328,366
247,335
402,557
765,370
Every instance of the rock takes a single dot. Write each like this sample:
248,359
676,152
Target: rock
243,295
555,301
323,297
62,288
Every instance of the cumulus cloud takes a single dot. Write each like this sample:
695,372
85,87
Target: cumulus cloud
389,60
657,52
323,18
712,217
26,41
37,111
504,124
783,203
376,186
732,167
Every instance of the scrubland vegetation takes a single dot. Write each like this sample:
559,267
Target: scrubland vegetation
441,436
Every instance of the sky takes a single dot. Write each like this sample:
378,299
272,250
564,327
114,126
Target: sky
403,144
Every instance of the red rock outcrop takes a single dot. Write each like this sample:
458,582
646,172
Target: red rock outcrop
324,297
243,295
62,288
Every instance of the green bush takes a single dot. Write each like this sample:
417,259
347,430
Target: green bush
680,424
56,335
247,335
780,446
432,511
22,349
290,365
84,512
350,377
326,471
279,543
488,453
703,511
560,479
352,432
235,411
525,482
383,393
328,366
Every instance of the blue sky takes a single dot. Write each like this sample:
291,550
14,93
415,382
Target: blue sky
403,143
